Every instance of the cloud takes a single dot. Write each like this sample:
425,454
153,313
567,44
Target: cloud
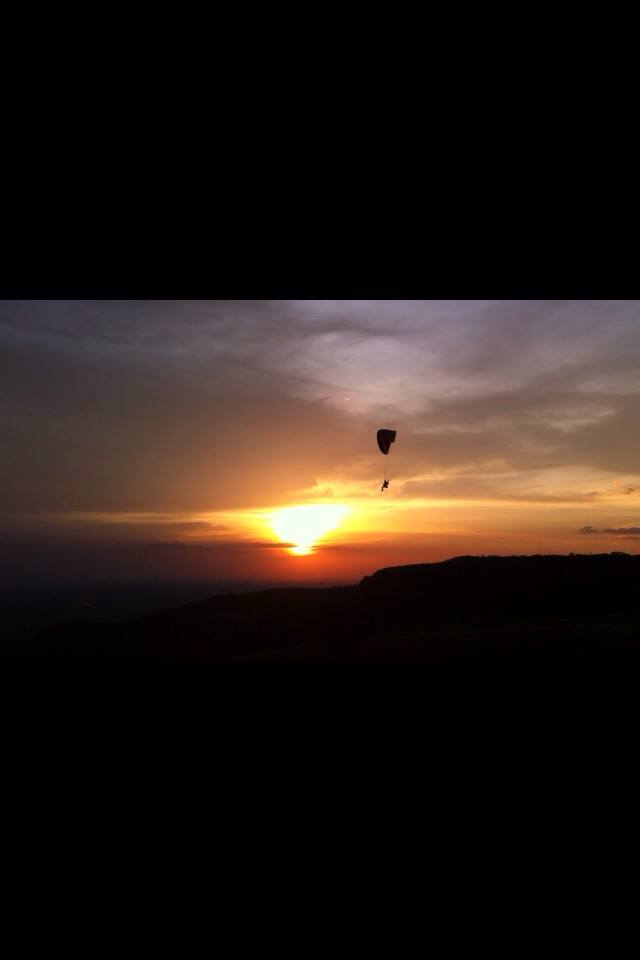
619,532
216,546
204,405
514,489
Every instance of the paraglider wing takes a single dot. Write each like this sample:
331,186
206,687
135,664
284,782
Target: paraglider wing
385,439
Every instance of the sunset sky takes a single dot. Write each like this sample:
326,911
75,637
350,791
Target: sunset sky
236,439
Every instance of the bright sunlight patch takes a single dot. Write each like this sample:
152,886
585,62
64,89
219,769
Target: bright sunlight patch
303,526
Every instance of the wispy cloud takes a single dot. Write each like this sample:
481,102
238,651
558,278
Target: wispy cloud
179,407
619,532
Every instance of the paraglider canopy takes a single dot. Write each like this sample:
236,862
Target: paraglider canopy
385,439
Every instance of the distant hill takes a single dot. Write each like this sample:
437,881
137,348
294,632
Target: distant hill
478,610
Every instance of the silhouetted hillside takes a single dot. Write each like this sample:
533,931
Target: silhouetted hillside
467,586
466,610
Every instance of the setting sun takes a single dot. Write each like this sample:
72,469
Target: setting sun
303,526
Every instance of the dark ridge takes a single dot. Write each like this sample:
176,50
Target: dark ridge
478,610
465,586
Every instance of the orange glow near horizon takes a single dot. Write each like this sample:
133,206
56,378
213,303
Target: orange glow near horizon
341,540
